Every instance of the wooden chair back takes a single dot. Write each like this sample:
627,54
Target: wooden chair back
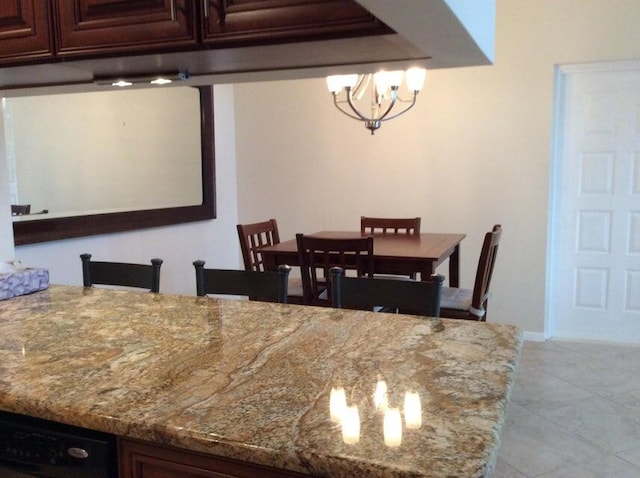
410,297
266,286
372,225
317,255
257,235
143,276
252,238
484,273
472,303
384,225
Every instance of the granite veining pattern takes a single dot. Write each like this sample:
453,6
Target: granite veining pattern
252,381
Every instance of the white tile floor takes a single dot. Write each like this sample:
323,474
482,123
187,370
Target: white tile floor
574,412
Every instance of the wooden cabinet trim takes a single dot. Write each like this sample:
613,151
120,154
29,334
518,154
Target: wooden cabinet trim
24,31
89,27
140,459
281,20
103,34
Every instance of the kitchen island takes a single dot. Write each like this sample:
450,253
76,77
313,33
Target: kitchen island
252,382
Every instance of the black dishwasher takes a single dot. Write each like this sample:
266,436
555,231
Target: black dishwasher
31,447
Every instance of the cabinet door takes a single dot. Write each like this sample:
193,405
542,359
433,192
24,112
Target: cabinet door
260,21
87,27
147,460
24,30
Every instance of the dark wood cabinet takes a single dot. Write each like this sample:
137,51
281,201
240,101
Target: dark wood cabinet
247,21
85,27
32,29
147,460
83,39
24,31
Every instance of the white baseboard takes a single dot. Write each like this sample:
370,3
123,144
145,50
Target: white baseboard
533,336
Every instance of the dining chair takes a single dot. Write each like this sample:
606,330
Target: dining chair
457,303
407,297
260,234
386,225
143,276
317,255
265,286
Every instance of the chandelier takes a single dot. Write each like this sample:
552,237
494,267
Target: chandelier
347,90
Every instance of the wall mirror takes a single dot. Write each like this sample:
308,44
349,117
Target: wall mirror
103,162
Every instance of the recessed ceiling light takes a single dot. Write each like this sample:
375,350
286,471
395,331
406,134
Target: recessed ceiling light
154,79
121,83
160,81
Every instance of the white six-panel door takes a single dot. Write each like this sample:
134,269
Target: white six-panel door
594,241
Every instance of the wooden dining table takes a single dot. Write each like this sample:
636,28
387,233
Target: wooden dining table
393,253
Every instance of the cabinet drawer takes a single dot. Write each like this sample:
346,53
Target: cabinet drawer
106,26
259,21
146,460
24,30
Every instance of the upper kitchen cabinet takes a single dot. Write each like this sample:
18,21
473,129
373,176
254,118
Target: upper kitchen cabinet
89,27
238,22
96,27
70,43
24,31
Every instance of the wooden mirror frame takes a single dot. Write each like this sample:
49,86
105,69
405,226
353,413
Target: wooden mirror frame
54,229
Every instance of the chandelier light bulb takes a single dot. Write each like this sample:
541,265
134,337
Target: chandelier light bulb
415,78
350,80
387,79
395,78
336,83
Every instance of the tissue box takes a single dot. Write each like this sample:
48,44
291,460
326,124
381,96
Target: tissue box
22,282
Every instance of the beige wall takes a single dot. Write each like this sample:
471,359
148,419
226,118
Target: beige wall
475,151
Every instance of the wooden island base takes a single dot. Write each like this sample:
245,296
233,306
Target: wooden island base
139,459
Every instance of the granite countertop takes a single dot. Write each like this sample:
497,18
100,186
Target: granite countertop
252,381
